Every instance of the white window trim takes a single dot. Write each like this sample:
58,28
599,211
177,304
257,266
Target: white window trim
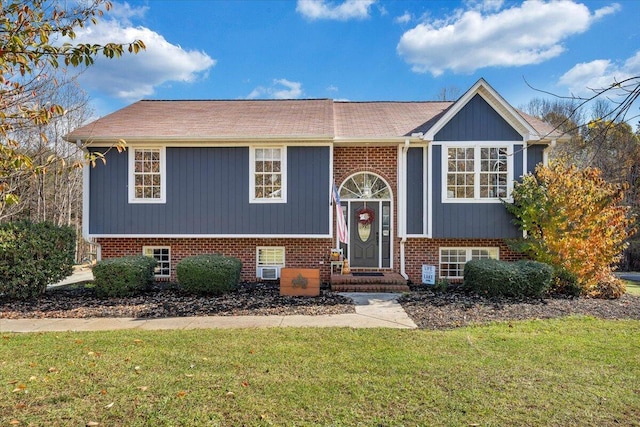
160,276
163,176
252,172
469,251
261,248
477,146
259,265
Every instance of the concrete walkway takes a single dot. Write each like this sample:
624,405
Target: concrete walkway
372,311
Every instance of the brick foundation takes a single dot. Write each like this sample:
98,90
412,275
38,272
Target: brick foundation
299,253
419,251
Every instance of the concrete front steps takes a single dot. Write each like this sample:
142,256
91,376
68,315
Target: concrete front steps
389,282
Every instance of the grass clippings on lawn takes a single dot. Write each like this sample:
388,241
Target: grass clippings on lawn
567,372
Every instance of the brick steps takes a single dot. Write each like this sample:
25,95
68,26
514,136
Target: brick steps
389,282
369,288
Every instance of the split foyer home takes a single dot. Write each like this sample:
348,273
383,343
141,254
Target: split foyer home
420,183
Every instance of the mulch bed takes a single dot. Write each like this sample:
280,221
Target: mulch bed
437,310
166,300
428,309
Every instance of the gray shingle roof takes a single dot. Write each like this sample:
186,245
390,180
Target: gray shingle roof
250,119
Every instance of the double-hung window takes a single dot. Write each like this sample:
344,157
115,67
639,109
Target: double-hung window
268,175
452,260
147,175
477,173
162,254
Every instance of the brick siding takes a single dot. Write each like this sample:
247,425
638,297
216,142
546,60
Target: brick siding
299,253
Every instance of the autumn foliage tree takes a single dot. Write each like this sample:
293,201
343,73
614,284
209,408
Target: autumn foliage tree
36,39
575,221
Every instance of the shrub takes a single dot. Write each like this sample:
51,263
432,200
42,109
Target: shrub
499,278
209,274
32,256
535,277
122,277
565,283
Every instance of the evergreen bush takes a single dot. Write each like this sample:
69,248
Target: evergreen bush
122,277
500,278
565,283
210,274
32,256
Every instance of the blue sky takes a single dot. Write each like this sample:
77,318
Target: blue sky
360,50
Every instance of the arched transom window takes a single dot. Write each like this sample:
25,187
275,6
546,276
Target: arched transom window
365,185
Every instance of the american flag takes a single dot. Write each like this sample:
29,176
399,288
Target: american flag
343,233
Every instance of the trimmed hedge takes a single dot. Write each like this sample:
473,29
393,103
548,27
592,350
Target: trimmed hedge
210,274
123,277
511,279
32,256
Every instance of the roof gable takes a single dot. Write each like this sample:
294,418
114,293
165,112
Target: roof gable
507,112
477,121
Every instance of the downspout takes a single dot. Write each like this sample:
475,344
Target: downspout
402,219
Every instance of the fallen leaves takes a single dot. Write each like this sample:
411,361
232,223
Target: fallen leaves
19,388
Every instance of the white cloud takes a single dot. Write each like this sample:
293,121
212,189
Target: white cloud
279,89
321,9
607,10
124,12
132,77
529,33
403,19
585,77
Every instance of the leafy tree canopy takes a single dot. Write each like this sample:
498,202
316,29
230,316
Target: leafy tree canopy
31,47
575,221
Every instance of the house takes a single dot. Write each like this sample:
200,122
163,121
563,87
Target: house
420,183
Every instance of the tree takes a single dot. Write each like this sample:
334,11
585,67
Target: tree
448,93
31,50
601,137
575,221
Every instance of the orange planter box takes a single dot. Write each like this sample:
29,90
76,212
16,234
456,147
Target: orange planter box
300,282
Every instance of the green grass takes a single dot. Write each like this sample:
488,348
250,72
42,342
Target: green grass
633,288
568,372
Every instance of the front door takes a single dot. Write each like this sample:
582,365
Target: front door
364,234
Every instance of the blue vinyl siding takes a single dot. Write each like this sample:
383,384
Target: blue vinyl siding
208,193
534,156
470,220
415,190
477,121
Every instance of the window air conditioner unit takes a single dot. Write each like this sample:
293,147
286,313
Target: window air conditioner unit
269,273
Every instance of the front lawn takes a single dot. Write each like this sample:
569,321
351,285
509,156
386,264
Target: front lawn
572,371
633,288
